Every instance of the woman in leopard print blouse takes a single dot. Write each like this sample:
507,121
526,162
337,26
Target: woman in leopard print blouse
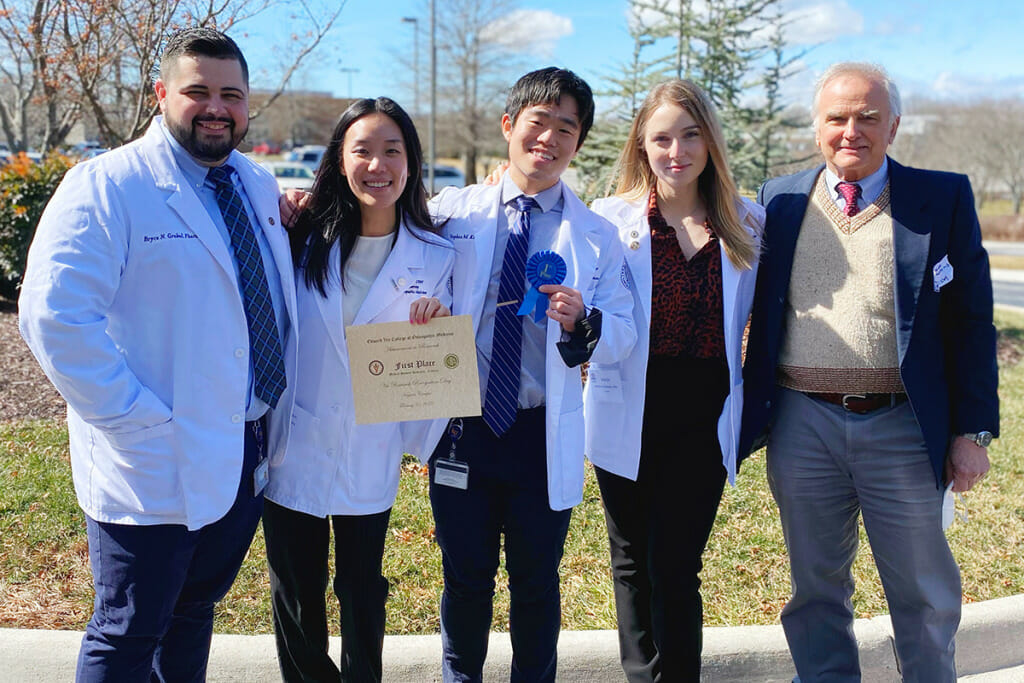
662,425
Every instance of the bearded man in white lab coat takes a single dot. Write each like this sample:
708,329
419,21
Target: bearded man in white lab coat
158,298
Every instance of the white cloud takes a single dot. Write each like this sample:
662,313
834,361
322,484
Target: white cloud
890,27
949,85
534,31
815,22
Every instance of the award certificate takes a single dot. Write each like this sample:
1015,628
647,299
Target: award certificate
402,371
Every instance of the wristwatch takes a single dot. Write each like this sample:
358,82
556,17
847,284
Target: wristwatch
982,438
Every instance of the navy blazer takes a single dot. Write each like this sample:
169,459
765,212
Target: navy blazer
946,340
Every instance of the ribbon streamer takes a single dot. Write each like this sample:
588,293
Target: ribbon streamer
543,268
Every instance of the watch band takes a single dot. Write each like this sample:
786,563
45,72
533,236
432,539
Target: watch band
982,438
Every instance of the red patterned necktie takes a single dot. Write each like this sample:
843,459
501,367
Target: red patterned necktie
851,193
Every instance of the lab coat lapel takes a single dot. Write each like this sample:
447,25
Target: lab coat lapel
634,230
331,308
402,271
182,199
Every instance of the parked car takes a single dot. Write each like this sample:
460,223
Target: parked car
290,174
93,152
308,155
266,148
444,176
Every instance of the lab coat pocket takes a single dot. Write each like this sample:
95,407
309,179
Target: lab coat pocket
121,440
305,434
141,476
372,463
570,441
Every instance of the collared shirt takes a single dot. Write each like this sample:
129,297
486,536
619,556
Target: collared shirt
870,187
544,225
195,173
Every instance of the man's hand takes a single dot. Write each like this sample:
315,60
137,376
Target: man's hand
565,305
291,204
966,464
425,308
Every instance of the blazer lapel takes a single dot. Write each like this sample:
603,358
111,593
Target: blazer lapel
911,239
785,211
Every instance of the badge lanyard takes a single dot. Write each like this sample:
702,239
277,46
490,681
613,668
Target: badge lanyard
451,471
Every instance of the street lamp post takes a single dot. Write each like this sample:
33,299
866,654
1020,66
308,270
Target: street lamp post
349,71
433,93
415,62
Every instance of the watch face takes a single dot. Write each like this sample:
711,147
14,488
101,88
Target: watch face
983,439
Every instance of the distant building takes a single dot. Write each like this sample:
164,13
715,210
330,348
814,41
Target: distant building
296,117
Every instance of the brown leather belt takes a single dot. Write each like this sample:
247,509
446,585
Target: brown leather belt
862,403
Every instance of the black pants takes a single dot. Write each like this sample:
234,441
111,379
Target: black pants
507,497
297,547
658,525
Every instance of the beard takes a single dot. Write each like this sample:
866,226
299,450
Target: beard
190,137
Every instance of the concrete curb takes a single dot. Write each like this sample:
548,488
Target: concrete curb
991,638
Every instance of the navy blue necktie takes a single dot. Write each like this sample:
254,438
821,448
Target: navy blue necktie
264,338
502,397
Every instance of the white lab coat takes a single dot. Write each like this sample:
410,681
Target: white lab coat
614,397
594,266
326,464
131,305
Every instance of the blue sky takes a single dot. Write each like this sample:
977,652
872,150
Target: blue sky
941,48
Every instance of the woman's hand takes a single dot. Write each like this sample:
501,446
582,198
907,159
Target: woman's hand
425,308
291,204
494,177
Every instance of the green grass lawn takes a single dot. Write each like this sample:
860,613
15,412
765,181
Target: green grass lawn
45,581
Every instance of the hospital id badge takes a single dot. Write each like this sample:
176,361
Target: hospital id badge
261,476
450,472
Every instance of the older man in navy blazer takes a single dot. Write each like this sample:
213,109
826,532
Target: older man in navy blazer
871,369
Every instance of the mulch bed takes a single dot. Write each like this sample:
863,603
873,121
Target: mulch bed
25,393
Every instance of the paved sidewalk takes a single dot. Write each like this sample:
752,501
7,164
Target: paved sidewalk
990,649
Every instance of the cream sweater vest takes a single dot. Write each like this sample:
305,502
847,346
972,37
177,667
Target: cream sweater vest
840,315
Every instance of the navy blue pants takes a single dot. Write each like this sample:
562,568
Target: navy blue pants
156,587
507,495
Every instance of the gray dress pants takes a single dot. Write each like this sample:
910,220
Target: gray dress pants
826,466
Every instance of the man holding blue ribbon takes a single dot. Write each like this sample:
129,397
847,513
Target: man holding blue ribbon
158,299
544,279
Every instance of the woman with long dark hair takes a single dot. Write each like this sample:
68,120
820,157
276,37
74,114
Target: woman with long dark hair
365,251
662,425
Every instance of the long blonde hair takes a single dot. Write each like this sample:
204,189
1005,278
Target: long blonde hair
636,179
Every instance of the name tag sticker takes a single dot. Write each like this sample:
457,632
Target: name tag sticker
942,273
453,473
606,383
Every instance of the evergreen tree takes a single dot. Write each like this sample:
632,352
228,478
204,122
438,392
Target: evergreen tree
595,164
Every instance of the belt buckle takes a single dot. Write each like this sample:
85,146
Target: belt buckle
847,397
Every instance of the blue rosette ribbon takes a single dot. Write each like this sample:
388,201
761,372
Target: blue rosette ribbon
543,268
